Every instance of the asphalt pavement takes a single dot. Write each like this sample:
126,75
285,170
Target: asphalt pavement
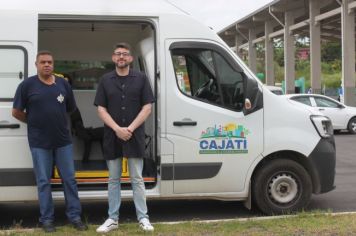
342,199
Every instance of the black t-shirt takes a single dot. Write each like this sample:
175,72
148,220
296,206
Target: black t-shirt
124,97
46,107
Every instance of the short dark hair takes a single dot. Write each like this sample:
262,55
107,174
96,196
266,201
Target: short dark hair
43,52
122,45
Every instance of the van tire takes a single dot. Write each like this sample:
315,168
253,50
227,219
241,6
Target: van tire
274,179
351,126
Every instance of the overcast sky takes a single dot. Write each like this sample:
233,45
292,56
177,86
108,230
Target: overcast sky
221,13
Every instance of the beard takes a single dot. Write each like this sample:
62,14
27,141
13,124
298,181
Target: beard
123,65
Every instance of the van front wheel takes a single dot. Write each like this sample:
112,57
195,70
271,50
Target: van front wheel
281,186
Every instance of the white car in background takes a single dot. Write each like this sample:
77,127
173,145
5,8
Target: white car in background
341,116
275,89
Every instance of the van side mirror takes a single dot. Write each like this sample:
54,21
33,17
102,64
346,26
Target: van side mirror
253,96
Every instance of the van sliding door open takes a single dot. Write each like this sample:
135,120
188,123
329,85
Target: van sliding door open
82,50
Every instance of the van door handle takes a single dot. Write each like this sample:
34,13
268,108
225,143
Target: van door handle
10,126
321,109
185,123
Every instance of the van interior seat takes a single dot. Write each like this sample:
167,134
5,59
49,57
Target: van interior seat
88,128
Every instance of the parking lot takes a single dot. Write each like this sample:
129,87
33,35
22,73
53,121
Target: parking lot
343,198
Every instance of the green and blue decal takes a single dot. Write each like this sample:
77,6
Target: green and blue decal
224,139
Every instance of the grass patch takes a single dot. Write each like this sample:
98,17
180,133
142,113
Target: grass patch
316,223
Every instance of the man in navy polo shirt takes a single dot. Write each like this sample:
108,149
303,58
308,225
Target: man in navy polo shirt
43,101
124,99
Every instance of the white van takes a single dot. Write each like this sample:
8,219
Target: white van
215,133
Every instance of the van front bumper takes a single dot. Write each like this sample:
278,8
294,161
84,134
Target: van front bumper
323,161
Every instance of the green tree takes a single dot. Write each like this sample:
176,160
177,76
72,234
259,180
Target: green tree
330,51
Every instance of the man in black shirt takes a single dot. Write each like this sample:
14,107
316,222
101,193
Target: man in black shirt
43,102
124,99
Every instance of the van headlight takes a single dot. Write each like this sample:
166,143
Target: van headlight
323,125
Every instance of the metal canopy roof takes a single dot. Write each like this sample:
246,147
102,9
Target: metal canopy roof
329,20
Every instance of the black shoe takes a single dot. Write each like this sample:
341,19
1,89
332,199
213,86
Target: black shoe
79,225
48,227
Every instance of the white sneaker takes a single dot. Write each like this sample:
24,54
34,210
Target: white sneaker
145,225
108,225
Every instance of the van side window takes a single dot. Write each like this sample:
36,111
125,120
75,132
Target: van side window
196,76
205,75
13,69
231,82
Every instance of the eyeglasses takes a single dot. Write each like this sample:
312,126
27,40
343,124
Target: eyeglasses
124,54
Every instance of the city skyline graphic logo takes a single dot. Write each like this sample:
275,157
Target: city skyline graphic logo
230,138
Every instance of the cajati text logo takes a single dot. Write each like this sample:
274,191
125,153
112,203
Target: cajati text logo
224,139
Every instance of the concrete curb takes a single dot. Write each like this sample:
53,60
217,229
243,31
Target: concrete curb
251,218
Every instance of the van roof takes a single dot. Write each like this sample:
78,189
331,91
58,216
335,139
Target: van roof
173,22
95,7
